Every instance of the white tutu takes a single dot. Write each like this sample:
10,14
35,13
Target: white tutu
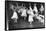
35,9
40,19
30,19
24,13
15,15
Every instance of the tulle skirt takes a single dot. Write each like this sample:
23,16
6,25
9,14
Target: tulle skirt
30,19
15,15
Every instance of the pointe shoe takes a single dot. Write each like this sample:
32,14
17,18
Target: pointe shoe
31,23
43,24
15,21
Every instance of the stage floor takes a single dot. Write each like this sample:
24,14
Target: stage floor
24,24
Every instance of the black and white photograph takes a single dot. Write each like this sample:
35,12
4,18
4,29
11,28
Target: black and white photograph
24,15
